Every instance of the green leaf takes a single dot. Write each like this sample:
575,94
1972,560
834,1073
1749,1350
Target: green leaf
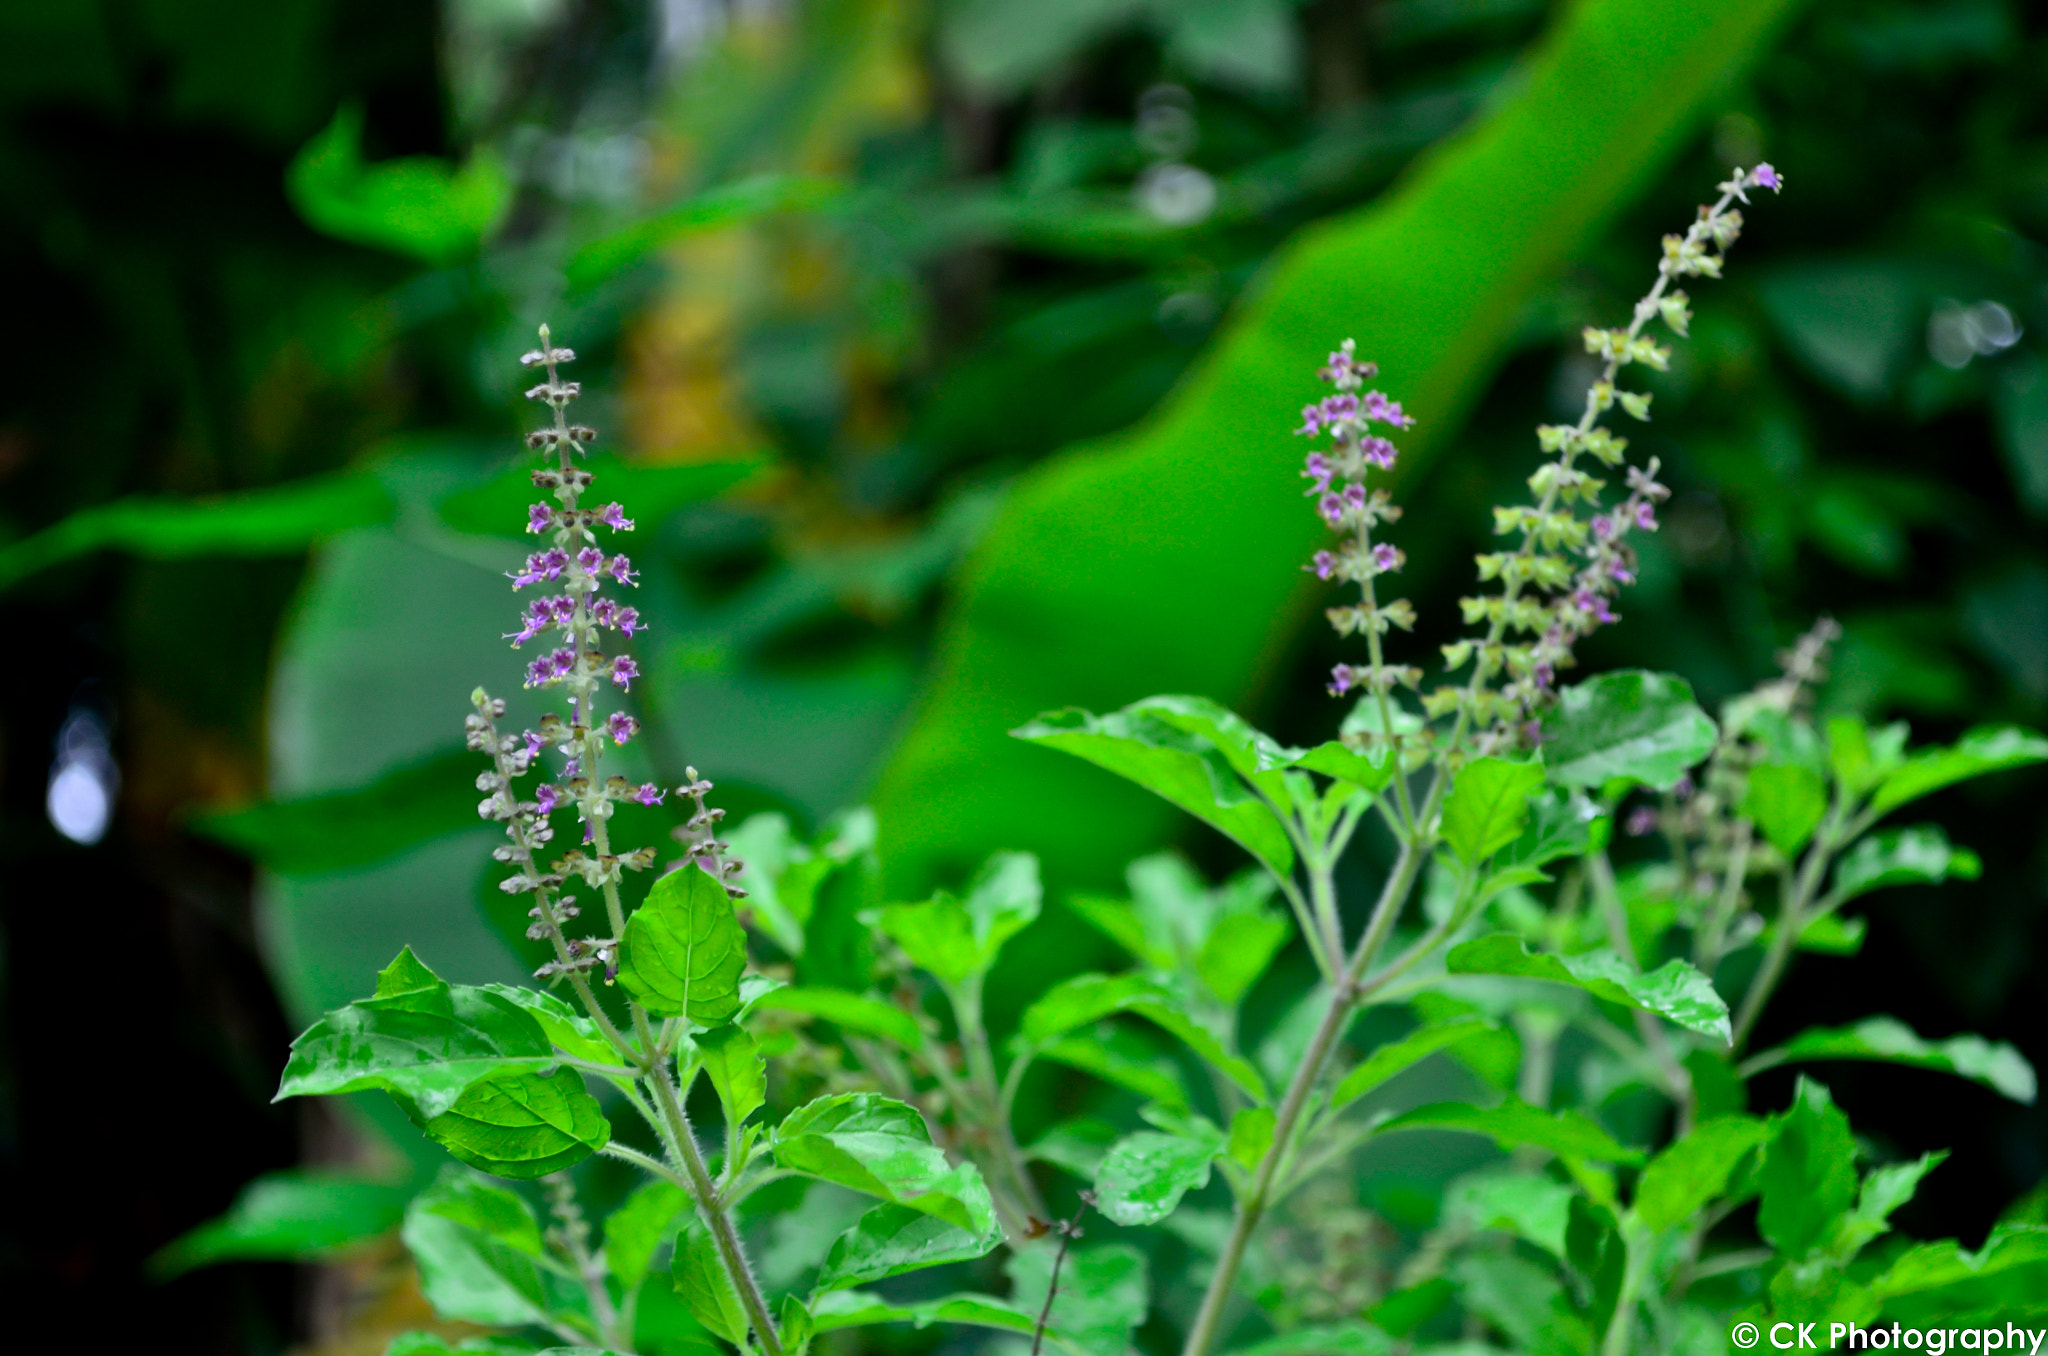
281,520
641,1224
1339,1339
420,1039
713,209
650,494
1786,801
1561,824
1974,755
1488,806
566,1029
1251,1135
1938,1266
683,950
1674,990
1168,556
707,1292
1337,759
1685,1178
1527,1206
522,1125
417,205
1514,1123
1884,1190
414,804
958,940
1138,744
852,1309
1995,1064
1395,1056
1808,1175
1629,726
849,1011
287,1216
890,1240
1103,1293
880,1147
1861,758
478,1249
1146,1173
733,1062
1086,999
1114,1056
1919,855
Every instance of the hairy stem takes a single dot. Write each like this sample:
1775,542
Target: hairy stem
574,1232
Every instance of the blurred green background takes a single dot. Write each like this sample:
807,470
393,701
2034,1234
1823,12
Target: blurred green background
945,351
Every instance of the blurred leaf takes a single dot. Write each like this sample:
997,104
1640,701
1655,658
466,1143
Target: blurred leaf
1395,1056
1634,726
1063,600
287,1216
1808,1175
640,1225
1001,45
732,204
1524,1205
1086,999
1787,802
1515,1123
1108,1054
684,950
341,829
1853,321
1884,1190
2022,406
853,1309
1341,1339
1918,855
416,205
1561,824
1683,1179
1146,1173
1975,754
1932,1267
1488,806
280,521
1995,1064
851,1011
1674,990
958,940
650,494
1103,1294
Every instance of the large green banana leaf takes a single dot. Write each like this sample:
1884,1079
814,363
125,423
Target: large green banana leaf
1168,559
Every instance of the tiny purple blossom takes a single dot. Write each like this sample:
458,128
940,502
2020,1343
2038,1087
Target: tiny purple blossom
547,795
1603,527
622,570
539,518
1641,821
614,517
1354,497
628,621
1378,451
1593,605
541,566
624,671
1646,516
1332,509
1339,407
591,559
1311,421
1381,410
621,727
1318,470
1619,572
533,745
1342,679
649,794
604,611
1385,558
1324,564
1763,176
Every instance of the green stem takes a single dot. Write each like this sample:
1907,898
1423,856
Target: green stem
590,1269
995,1132
1252,1205
1792,921
1677,1082
1621,1326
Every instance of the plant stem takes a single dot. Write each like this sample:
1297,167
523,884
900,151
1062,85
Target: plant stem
1792,921
1677,1082
1621,1326
590,1269
1251,1206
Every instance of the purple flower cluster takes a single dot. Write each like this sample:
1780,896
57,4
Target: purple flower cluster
1559,583
1337,477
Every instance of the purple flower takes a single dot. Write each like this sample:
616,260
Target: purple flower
533,745
1642,820
604,611
1544,675
1318,470
628,621
539,673
1381,410
624,671
1342,679
1311,421
1378,451
1646,516
621,569
539,518
537,619
621,727
649,794
1324,565
1354,497
1339,407
1593,605
1603,527
1332,509
547,795
1619,572
540,567
1763,176
614,517
1385,558
591,559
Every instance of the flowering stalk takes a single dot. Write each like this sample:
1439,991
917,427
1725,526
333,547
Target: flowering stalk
580,615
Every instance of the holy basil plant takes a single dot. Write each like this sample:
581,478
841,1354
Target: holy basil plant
845,1113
